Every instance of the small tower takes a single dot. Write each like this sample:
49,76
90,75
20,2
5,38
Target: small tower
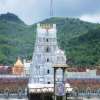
45,54
18,68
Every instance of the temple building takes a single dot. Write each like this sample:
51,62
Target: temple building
46,54
80,81
27,64
13,81
36,76
5,70
18,68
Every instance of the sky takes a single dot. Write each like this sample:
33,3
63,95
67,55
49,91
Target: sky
31,11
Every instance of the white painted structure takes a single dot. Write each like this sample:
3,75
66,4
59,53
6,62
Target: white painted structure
87,74
46,54
43,88
27,65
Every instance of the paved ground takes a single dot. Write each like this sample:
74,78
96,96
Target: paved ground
12,99
83,98
91,99
74,99
88,99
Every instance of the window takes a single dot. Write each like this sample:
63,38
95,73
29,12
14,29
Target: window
48,82
47,40
47,49
48,71
47,59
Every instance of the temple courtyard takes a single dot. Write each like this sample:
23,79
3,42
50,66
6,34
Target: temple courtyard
12,99
68,99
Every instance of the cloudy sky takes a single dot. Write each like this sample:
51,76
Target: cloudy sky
31,11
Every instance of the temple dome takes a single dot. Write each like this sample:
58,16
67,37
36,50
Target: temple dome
18,63
18,68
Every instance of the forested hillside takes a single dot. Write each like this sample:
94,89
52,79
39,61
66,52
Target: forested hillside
77,38
85,49
16,38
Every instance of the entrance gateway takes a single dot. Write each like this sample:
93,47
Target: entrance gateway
46,54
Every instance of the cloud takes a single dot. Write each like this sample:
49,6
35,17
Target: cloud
77,7
89,18
28,10
34,10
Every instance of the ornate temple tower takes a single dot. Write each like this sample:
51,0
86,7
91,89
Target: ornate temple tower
46,54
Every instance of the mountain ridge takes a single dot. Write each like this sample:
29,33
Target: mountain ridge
11,17
17,38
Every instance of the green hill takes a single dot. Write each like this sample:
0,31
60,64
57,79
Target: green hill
17,38
80,40
11,17
85,49
69,28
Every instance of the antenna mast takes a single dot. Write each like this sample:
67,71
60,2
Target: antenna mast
51,8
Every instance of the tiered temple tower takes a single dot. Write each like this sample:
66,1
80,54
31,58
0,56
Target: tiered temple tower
46,54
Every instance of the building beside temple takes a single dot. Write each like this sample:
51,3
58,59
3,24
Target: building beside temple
85,82
13,81
19,68
27,65
4,70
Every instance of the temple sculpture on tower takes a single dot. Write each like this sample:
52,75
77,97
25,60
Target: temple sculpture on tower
46,54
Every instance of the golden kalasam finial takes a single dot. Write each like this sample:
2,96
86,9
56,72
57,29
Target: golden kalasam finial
46,26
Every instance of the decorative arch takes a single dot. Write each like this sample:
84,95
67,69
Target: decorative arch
81,90
76,91
6,92
20,92
98,92
88,91
1,91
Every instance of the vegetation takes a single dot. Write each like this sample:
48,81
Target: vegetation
16,39
80,40
85,50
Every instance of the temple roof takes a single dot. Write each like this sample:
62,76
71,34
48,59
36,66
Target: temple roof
18,63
